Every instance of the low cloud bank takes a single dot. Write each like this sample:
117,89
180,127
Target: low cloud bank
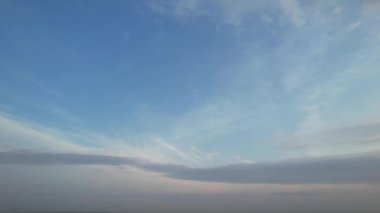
332,170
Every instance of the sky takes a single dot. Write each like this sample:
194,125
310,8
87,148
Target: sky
190,105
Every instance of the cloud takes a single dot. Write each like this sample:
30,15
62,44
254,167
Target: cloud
34,158
230,12
187,157
353,26
362,169
181,9
26,157
18,133
355,138
292,10
328,170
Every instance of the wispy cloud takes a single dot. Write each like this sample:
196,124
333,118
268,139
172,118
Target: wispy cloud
230,12
17,133
354,138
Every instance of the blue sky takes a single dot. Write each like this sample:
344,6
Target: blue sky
194,83
219,78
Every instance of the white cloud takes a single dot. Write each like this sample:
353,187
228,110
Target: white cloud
353,26
182,9
187,157
18,133
230,12
352,138
236,12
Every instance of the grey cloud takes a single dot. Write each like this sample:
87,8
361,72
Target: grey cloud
35,158
359,169
334,170
43,158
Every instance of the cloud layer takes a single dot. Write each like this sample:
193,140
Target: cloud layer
333,170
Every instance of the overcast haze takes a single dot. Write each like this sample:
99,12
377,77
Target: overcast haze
190,106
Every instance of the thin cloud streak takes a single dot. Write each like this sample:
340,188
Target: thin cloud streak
333,170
